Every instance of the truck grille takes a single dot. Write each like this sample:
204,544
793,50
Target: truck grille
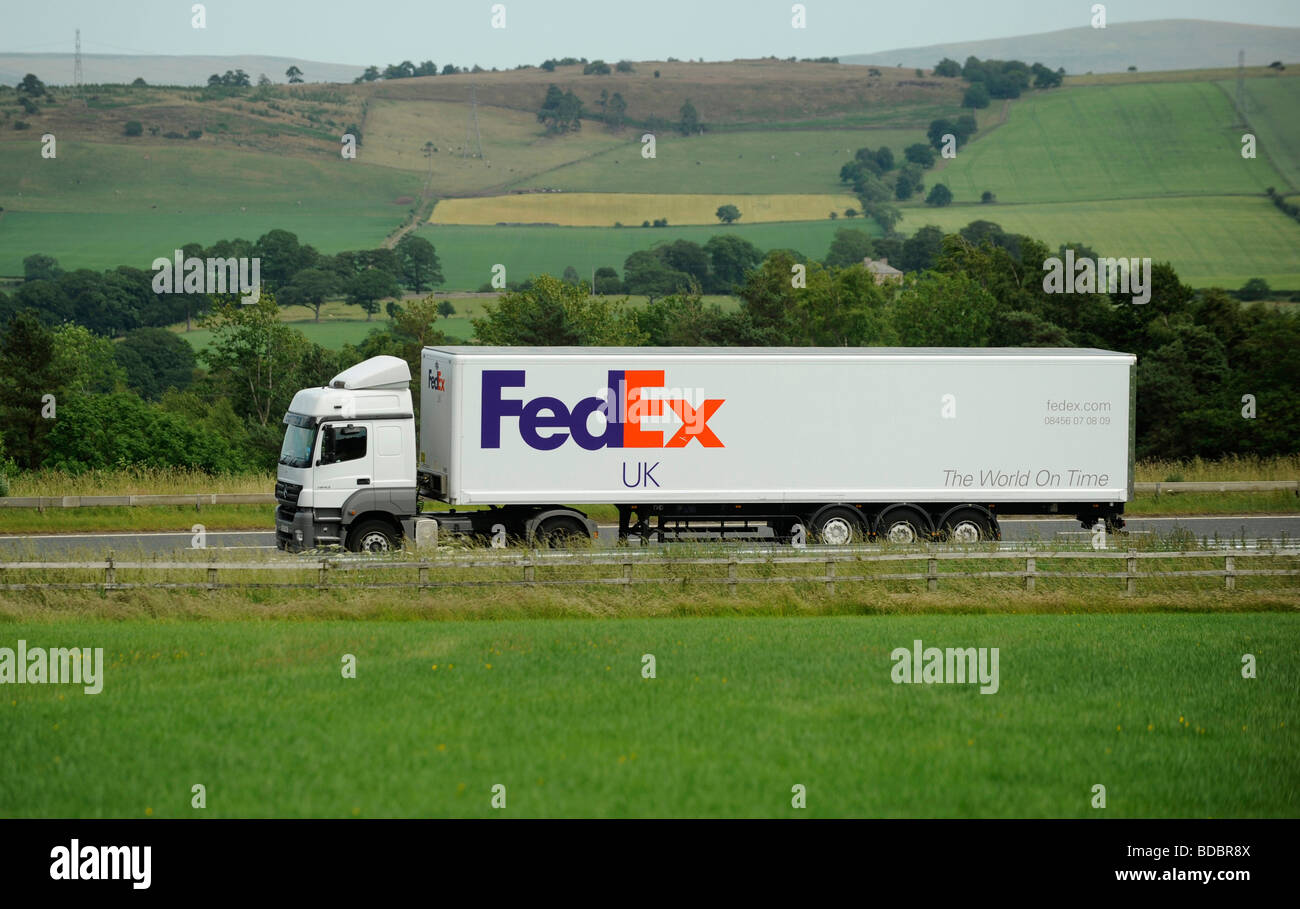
287,493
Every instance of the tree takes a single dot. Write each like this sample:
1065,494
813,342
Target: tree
310,287
730,258
948,68
607,281
40,267
139,82
419,262
551,313
28,372
1254,289
260,362
728,213
616,111
355,132
941,310
977,96
570,275
133,128
293,74
940,195
446,309
597,67
689,119
919,153
849,247
987,196
154,360
86,361
31,86
625,66
369,287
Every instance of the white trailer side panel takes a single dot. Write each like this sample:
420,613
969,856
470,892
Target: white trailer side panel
782,425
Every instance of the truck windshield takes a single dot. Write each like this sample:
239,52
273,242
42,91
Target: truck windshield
299,438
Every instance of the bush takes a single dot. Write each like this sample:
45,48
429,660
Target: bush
987,196
172,134
939,196
22,124
195,133
133,128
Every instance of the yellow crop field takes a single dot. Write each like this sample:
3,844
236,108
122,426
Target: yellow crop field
603,209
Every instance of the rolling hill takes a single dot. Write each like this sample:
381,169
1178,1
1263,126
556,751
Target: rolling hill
1156,45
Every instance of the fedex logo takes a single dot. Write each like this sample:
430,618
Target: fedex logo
546,423
436,380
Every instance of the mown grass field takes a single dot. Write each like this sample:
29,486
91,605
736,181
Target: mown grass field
1151,706
1111,142
104,205
794,161
1211,241
468,253
631,209
1271,107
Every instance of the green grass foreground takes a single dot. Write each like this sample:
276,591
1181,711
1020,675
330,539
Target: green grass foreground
1151,706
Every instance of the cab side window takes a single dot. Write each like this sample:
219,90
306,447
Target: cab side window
344,444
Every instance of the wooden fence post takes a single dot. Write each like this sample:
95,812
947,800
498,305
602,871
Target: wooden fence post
110,574
1229,573
731,576
932,574
212,576
321,573
627,577
529,571
1130,575
423,581
830,576
1031,573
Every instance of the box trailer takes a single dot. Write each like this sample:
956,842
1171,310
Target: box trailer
828,444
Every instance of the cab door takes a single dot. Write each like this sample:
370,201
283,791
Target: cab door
345,463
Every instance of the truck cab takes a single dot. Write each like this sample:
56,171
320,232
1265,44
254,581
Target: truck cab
346,474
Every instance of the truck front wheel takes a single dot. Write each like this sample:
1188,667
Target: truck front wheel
372,536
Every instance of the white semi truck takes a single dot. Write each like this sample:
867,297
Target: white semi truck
829,444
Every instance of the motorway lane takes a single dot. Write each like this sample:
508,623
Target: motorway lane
1227,527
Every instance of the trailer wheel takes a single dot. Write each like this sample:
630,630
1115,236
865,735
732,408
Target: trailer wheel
561,533
967,526
838,526
372,536
902,525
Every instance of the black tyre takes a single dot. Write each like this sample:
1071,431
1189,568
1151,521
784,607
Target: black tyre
562,533
838,526
967,526
372,536
902,526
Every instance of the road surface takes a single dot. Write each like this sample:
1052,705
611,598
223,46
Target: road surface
1227,527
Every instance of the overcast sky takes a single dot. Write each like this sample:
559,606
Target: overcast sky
459,31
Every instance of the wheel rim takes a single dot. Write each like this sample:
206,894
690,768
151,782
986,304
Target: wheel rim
901,532
375,541
837,531
965,532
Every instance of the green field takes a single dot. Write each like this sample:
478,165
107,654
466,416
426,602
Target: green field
802,161
1221,241
468,253
1272,106
1111,142
1152,706
100,205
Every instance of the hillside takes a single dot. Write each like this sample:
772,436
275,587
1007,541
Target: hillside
1143,164
1156,45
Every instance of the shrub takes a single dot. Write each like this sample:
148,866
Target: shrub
133,128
